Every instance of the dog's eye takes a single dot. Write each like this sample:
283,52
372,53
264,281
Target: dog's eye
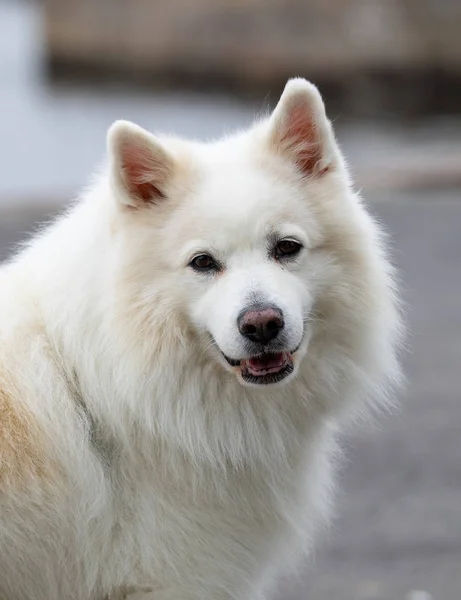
204,262
287,249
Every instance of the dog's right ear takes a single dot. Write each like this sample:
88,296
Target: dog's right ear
140,168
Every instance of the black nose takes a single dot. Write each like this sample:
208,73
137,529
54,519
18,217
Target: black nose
261,325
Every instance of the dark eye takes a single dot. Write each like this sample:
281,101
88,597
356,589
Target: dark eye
287,249
204,262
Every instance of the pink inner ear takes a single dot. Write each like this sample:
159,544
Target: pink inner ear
138,164
303,138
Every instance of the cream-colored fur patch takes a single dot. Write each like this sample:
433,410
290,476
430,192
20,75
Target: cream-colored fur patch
21,451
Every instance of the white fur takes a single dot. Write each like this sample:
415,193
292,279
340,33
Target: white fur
151,466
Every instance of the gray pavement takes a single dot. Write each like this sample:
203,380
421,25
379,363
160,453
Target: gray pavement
399,508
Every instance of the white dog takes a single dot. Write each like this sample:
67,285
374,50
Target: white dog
176,355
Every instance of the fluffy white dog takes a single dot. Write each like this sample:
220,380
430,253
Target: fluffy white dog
177,354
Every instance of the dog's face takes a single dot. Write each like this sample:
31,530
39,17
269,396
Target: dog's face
231,231
246,271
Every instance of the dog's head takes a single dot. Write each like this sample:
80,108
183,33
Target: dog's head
230,235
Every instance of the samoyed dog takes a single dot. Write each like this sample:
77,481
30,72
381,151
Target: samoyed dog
177,355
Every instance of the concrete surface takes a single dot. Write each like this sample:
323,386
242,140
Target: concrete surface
399,507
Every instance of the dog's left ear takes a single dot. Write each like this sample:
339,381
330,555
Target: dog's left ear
141,167
300,129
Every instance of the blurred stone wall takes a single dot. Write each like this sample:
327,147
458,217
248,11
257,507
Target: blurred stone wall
382,46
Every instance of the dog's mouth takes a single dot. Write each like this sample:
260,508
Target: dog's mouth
265,368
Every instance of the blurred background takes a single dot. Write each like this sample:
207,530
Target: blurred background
390,73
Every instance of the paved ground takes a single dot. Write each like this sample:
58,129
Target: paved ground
399,523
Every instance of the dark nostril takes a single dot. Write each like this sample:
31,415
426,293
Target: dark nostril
273,325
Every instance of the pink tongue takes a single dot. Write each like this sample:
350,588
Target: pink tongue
268,361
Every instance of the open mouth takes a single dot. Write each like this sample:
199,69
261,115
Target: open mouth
264,368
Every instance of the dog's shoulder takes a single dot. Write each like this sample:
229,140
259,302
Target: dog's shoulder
22,442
